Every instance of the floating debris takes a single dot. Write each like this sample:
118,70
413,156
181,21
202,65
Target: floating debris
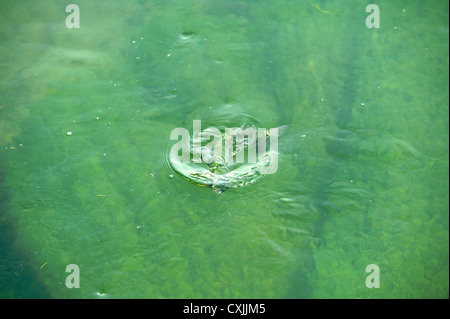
318,8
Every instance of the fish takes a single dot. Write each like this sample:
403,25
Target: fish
221,175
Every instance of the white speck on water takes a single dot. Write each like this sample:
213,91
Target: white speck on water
171,175
69,133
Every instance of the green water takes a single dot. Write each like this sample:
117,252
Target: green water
362,176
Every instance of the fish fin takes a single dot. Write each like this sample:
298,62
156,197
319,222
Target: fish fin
282,130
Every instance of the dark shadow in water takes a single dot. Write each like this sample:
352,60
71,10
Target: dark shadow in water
17,278
342,147
300,288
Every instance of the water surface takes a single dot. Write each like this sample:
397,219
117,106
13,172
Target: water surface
363,170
